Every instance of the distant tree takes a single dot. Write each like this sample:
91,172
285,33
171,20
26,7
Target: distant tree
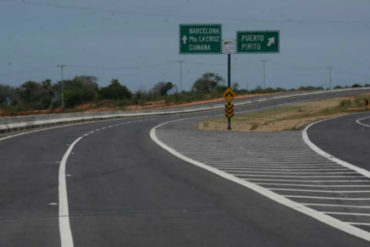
7,94
35,95
115,91
161,88
235,86
79,90
307,88
356,85
209,82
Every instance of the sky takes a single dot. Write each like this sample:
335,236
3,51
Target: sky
137,41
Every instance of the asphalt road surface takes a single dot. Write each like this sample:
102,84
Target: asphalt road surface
347,138
124,190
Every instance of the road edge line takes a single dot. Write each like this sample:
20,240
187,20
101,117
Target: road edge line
326,219
358,121
64,222
328,156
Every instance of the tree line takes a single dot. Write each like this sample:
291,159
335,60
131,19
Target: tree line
32,95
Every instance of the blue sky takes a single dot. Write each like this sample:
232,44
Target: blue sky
137,41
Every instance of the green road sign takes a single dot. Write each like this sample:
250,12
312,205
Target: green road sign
200,39
258,42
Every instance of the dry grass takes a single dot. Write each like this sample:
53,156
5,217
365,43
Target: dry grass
293,117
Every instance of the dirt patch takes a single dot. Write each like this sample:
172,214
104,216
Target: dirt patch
293,117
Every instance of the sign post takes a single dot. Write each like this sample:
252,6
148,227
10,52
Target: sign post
207,39
229,95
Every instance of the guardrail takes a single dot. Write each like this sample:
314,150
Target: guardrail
8,124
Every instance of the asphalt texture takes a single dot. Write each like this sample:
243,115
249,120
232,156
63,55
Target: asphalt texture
124,190
344,138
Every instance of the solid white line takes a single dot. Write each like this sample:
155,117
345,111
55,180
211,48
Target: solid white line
315,148
335,205
292,176
326,219
322,191
286,172
64,224
281,168
311,181
314,185
346,213
359,122
328,198
286,169
358,223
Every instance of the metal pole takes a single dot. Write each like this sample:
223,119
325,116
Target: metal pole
229,84
264,72
330,77
62,82
181,61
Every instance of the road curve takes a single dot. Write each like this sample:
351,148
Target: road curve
346,138
124,190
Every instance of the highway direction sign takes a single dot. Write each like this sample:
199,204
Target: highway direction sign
229,94
258,41
200,39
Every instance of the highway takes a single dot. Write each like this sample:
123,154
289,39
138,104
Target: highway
122,189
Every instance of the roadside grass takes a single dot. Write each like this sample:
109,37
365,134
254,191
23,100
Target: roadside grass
290,117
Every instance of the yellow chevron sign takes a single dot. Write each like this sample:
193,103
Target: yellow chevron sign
229,94
229,110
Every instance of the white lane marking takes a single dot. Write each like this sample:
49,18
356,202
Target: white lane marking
335,205
310,181
293,176
326,219
287,170
314,185
282,167
363,124
358,223
345,213
64,224
240,171
315,148
49,128
328,198
322,191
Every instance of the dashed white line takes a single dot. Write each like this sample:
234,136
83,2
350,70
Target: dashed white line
64,222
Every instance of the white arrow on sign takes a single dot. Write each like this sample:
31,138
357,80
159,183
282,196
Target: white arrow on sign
184,39
271,41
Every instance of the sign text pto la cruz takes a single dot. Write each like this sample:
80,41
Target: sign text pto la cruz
200,39
258,42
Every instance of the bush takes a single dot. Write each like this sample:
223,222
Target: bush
345,103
